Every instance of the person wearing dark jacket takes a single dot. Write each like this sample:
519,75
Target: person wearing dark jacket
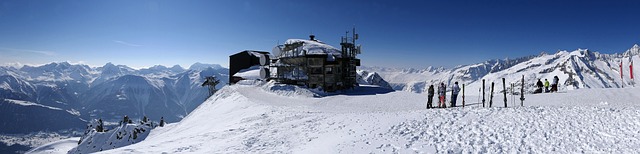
454,94
539,86
430,97
554,84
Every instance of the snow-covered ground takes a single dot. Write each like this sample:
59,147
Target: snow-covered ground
33,139
61,146
267,118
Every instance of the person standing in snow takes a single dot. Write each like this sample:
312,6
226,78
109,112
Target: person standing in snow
430,97
442,91
539,85
554,84
454,94
546,85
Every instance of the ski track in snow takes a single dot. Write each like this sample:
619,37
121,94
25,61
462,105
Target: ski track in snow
249,119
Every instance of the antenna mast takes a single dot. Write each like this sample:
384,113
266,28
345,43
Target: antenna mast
211,82
349,62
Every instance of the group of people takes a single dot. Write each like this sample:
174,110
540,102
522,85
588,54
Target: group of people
540,85
442,90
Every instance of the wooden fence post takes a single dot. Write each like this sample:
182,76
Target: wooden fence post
522,92
491,98
463,95
504,86
483,93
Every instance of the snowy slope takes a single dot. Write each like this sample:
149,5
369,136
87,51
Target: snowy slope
576,69
131,95
18,143
57,147
257,118
119,136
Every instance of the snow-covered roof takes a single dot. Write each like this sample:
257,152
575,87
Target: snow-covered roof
255,53
250,73
311,48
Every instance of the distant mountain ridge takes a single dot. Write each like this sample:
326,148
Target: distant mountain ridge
108,92
576,69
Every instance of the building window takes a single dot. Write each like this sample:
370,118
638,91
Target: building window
315,61
315,70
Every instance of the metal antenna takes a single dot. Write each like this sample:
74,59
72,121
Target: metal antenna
211,82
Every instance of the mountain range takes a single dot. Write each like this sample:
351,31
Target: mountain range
61,95
576,69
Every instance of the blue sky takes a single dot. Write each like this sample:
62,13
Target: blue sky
393,33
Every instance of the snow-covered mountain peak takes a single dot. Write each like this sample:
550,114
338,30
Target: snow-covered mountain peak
633,51
158,67
561,52
578,53
543,53
430,68
177,68
56,71
60,65
202,66
372,78
53,66
110,70
108,65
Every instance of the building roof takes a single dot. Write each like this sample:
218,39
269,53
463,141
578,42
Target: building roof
311,48
251,52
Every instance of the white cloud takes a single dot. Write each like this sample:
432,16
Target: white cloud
17,65
43,52
127,43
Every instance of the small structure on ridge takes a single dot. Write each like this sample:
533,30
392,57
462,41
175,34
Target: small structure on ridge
211,82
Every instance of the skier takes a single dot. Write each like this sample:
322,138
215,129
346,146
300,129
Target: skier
554,84
442,91
546,85
454,94
430,97
539,85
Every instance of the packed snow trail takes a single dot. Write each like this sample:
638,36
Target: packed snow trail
272,119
